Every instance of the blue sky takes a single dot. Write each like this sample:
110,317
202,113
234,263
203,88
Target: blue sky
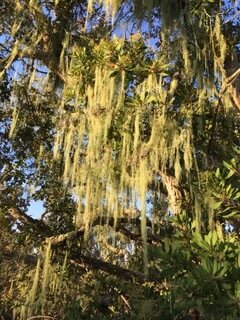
36,209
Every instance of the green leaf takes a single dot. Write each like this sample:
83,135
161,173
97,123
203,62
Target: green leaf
233,213
239,260
237,289
230,174
214,237
215,267
207,265
200,242
223,271
237,196
227,165
166,245
216,205
114,73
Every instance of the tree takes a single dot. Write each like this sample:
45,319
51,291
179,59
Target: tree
131,142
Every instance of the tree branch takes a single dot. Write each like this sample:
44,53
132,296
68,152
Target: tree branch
60,240
17,214
96,264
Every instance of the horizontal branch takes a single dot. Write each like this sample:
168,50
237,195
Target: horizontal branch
123,273
82,261
138,237
28,259
60,240
17,214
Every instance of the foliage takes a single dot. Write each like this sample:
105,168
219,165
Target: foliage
123,119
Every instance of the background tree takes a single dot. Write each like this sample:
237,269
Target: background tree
123,138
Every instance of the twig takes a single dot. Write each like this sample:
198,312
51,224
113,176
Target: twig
126,302
232,18
40,317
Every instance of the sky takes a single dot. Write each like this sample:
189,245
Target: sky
36,209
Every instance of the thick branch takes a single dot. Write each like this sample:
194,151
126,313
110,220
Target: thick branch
137,237
82,261
61,239
231,78
214,123
38,225
174,193
28,259
96,264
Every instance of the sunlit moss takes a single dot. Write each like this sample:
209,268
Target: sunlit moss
11,58
47,279
15,116
112,148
